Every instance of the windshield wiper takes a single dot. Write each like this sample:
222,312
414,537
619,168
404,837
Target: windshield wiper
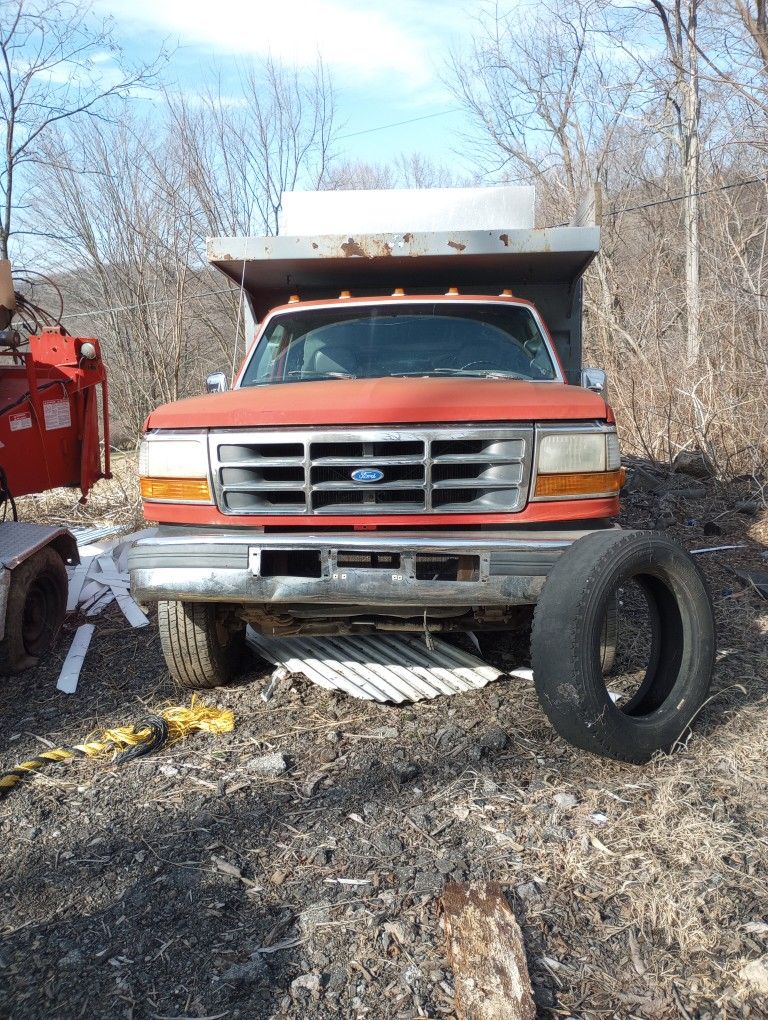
312,376
303,378
488,373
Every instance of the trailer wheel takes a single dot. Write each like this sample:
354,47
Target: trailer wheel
37,604
200,650
569,634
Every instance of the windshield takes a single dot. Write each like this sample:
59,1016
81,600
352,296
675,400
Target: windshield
491,340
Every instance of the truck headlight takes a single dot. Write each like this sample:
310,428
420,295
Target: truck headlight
174,469
573,465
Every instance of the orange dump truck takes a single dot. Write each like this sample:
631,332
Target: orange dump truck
411,443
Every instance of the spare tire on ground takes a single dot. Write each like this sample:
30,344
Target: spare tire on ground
568,634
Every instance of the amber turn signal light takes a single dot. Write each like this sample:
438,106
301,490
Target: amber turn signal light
580,483
185,490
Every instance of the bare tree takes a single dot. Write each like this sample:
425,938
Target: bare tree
552,106
547,99
738,52
755,20
359,175
129,239
49,74
411,170
241,153
677,80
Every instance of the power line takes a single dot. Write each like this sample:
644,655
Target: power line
690,194
398,123
143,304
674,198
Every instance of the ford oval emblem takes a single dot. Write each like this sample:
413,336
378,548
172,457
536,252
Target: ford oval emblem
367,475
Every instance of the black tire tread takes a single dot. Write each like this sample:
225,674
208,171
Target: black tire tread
13,655
195,657
559,663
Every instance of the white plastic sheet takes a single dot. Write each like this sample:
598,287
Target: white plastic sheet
70,671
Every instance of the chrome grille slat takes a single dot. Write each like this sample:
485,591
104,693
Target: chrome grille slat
473,483
457,458
350,462
271,463
490,472
260,486
383,487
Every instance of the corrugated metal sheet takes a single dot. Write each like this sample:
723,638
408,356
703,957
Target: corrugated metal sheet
378,667
88,535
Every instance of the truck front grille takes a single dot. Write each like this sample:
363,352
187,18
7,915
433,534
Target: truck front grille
482,469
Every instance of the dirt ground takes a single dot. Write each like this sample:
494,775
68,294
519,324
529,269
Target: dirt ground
190,884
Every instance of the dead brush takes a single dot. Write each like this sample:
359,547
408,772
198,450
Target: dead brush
115,500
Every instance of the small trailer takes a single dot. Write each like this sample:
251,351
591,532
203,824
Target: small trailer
50,384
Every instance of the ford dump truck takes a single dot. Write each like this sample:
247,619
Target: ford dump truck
411,444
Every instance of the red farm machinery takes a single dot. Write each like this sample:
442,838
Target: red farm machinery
49,437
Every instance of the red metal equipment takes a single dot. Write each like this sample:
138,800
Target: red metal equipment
49,417
49,437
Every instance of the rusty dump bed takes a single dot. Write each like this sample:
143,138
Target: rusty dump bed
543,265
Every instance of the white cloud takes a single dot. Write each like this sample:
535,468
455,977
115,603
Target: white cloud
403,40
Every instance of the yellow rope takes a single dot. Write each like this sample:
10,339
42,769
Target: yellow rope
170,726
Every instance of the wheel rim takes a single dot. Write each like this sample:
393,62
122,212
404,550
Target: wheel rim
40,617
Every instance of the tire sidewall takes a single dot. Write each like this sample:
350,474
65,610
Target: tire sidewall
199,652
45,563
582,710
664,726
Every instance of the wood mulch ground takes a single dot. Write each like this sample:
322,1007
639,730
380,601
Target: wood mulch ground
192,884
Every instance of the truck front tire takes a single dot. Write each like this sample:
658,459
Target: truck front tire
200,650
569,629
37,604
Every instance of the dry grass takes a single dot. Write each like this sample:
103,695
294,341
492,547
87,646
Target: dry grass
113,501
645,898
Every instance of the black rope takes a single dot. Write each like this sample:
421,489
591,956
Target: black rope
40,389
158,735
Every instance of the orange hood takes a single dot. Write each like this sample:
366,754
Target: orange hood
382,402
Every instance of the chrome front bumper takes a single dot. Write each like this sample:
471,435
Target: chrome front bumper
247,566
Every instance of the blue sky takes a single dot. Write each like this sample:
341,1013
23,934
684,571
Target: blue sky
385,56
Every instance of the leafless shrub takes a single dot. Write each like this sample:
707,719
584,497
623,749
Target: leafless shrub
238,156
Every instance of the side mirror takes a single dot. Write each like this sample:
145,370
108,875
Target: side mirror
594,379
216,383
